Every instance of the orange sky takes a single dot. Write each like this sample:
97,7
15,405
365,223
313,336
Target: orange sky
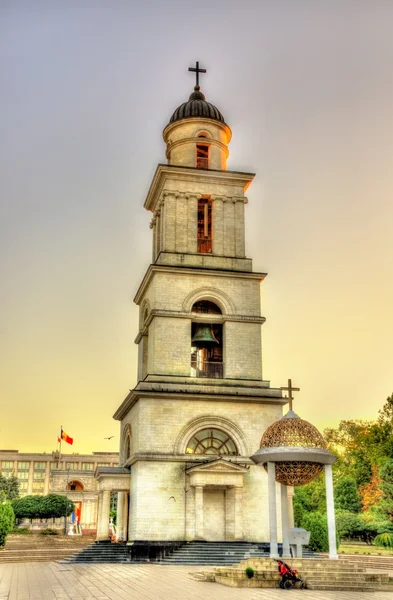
87,89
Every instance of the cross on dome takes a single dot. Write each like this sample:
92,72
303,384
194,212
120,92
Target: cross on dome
197,70
290,389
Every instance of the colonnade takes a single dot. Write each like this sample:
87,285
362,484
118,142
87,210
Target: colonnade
104,505
287,516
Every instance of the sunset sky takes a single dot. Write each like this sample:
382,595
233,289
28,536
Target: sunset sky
87,87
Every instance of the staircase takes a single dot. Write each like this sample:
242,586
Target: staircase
214,553
101,552
40,548
318,574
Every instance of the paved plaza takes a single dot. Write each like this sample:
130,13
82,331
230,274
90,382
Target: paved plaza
47,581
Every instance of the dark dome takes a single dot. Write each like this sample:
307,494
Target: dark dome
197,107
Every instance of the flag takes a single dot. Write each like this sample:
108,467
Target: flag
66,438
59,440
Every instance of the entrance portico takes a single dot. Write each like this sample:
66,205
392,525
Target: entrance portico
112,479
215,509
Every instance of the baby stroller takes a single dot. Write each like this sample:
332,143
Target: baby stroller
289,577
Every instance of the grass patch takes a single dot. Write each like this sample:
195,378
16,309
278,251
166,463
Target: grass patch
365,550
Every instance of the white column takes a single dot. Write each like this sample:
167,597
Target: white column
291,519
199,512
238,513
104,504
285,521
271,473
120,517
330,512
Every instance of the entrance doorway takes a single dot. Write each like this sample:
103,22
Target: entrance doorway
214,515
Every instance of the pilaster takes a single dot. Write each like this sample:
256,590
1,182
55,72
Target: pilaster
199,533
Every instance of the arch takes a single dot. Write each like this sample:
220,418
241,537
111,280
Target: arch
212,294
206,307
126,444
75,486
211,441
144,313
213,422
203,134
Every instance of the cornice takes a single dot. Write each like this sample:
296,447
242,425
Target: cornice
191,174
152,269
157,393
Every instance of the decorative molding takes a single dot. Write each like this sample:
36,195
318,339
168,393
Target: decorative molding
209,293
195,425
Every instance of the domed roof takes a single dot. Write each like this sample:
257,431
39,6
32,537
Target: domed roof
197,107
292,431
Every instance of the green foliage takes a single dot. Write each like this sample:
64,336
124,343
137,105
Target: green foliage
22,531
7,519
386,485
54,506
250,572
349,525
10,486
316,524
49,531
42,507
384,539
309,498
346,495
27,507
113,515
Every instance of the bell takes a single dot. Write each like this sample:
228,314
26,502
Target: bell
204,336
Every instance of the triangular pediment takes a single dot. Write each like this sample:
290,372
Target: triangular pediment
221,465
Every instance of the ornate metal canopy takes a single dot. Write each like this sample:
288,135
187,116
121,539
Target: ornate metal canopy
296,447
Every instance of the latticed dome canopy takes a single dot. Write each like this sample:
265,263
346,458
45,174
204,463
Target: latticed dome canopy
292,431
297,449
197,106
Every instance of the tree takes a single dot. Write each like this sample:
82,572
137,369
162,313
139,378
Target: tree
316,524
371,493
347,496
10,486
28,507
7,519
54,506
309,498
43,507
386,501
349,524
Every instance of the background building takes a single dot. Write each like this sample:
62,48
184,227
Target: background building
51,473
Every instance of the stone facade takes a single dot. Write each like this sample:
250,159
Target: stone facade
201,404
70,474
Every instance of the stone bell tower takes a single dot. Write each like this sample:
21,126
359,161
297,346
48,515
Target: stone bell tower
195,416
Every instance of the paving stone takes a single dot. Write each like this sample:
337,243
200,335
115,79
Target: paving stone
53,581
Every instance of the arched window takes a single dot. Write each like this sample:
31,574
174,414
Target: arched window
75,486
128,447
211,441
206,307
206,343
202,152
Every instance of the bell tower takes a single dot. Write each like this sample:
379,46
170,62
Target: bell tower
199,341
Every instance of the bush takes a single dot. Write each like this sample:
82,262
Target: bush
49,531
42,507
316,524
22,531
249,572
384,539
7,519
349,524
